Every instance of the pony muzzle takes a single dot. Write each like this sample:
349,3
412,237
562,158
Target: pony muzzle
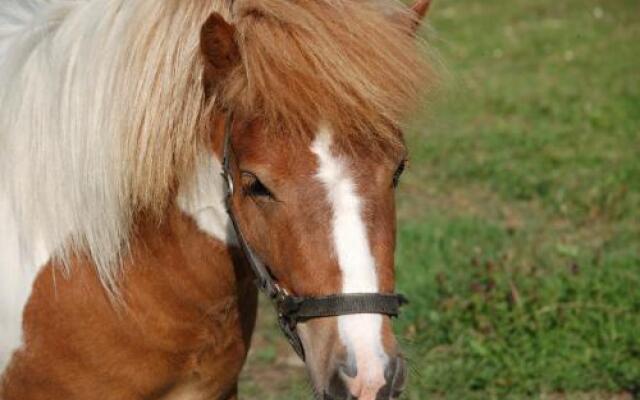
349,381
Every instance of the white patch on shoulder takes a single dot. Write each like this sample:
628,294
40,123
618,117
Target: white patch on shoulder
203,199
361,333
19,267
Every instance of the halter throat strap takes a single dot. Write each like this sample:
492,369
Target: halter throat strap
294,309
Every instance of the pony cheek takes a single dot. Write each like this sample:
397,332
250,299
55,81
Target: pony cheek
322,348
257,229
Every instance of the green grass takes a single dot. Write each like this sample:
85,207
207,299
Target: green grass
519,240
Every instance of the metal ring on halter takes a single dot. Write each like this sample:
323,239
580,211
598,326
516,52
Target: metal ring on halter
294,309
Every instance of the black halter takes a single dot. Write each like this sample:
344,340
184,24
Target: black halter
292,309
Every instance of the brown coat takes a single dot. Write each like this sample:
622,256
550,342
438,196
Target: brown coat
184,326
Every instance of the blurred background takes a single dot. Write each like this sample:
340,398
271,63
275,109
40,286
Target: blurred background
519,217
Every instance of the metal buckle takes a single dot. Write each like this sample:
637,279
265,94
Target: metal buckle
279,296
229,184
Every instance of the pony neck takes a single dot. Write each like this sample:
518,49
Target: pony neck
188,309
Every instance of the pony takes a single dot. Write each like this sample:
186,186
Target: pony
121,273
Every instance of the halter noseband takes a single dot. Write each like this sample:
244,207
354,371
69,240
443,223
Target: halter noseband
293,309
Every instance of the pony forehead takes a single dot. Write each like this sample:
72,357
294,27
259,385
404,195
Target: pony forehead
348,64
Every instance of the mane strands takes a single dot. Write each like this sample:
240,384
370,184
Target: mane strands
100,112
351,64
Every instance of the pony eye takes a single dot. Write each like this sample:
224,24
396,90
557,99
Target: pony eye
398,173
256,188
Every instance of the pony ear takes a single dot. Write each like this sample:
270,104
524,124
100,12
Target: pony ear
419,9
220,50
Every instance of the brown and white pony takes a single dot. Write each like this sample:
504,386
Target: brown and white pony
120,276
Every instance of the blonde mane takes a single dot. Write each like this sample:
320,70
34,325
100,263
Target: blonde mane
102,106
100,109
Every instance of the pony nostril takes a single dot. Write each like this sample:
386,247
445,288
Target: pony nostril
401,378
391,370
338,389
395,375
348,370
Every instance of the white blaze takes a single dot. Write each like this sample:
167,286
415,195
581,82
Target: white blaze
361,333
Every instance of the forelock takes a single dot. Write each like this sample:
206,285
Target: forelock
347,64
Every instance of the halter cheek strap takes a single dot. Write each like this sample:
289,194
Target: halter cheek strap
294,309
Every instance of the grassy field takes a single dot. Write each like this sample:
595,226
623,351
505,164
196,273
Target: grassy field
520,215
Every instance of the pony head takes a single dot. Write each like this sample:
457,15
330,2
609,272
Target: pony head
318,90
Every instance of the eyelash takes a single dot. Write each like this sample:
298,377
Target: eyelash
398,173
257,189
